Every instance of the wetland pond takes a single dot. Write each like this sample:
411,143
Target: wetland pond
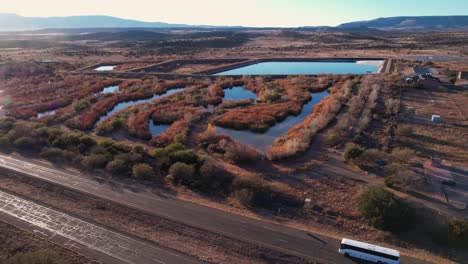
46,113
110,89
123,105
238,93
105,68
156,129
291,68
233,93
261,141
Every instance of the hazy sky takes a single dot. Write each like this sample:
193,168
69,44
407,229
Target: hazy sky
239,12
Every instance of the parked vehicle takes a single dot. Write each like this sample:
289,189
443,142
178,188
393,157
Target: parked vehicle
365,251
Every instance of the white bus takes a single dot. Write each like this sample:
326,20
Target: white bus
372,253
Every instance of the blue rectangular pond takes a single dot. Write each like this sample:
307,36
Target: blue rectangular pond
292,68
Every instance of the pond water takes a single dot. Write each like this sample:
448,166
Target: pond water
123,105
261,141
110,89
47,113
238,93
156,129
105,68
290,68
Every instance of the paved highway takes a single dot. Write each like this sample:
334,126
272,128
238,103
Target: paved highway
82,236
275,236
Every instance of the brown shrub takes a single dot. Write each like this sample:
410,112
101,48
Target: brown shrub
237,152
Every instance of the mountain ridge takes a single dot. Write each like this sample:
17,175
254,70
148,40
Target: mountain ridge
14,22
412,22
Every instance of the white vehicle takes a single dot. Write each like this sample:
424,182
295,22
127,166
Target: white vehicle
372,253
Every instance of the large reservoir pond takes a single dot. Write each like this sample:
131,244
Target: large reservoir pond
261,141
291,68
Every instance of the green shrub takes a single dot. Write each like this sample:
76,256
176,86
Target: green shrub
185,156
104,129
118,167
25,143
138,149
458,232
117,123
389,181
5,143
165,152
352,152
183,173
382,210
180,138
271,97
95,161
58,155
36,257
6,123
143,171
111,146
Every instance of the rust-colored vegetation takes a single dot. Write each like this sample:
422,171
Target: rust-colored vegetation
222,146
298,138
180,110
45,92
277,100
132,90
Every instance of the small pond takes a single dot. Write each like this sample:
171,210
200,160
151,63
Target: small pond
291,68
110,89
123,105
47,113
156,129
261,141
105,68
238,93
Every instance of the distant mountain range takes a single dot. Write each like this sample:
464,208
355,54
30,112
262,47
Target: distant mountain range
13,22
412,23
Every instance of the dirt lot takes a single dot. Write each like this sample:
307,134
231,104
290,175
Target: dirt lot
446,140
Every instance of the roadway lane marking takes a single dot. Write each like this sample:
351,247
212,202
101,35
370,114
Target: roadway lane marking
92,185
79,232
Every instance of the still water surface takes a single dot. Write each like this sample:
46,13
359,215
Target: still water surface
261,141
290,68
123,105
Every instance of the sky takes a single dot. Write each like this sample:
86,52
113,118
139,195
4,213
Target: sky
278,13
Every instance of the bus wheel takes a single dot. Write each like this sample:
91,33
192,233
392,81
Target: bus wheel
346,254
